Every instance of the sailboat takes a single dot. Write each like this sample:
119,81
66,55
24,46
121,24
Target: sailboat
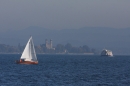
29,54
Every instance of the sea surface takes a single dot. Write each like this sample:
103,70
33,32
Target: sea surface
66,70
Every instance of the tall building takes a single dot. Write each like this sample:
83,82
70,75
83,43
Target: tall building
48,45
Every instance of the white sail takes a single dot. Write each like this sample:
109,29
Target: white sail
29,51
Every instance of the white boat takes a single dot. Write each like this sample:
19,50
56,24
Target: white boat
29,54
106,52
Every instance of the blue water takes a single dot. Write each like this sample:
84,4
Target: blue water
66,70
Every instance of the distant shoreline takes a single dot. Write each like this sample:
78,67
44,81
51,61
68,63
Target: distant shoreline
91,54
57,53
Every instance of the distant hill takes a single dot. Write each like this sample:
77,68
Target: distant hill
95,37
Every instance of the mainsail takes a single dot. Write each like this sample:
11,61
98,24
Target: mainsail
29,53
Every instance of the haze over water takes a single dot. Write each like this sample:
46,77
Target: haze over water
70,16
66,14
96,23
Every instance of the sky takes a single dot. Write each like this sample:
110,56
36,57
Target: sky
64,14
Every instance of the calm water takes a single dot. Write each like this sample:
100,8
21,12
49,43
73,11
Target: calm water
66,70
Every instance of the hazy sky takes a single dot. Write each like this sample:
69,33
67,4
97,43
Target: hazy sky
62,14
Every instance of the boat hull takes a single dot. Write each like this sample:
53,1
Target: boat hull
26,62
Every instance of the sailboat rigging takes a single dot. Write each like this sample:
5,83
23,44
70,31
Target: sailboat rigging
29,54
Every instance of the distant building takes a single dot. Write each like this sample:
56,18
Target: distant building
48,45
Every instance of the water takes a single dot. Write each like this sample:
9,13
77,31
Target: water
66,70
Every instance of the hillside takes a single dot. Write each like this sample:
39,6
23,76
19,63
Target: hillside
96,37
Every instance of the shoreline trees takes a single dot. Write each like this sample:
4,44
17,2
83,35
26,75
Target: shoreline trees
59,48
